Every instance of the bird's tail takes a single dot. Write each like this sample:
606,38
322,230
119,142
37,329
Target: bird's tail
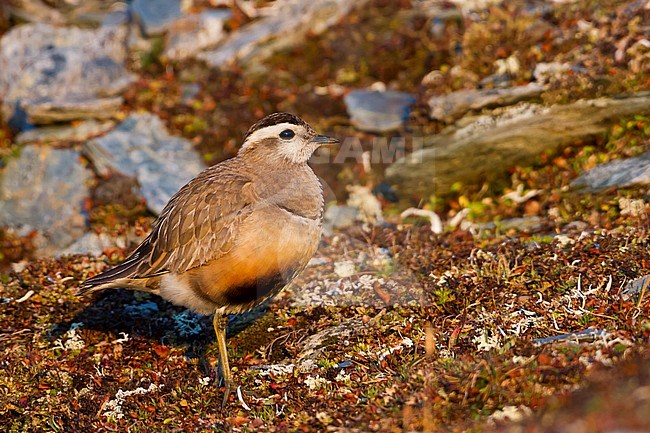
121,276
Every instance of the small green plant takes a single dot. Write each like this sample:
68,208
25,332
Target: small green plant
152,57
443,295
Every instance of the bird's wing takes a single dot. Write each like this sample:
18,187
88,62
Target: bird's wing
198,224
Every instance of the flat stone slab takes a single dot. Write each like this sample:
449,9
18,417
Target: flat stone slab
140,147
51,74
487,147
456,104
44,189
49,111
587,336
93,244
635,287
375,111
189,35
619,173
79,132
285,24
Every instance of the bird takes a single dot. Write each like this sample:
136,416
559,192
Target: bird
236,234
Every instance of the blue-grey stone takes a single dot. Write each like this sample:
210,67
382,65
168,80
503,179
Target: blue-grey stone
376,111
44,189
51,74
586,335
141,147
618,173
156,16
286,24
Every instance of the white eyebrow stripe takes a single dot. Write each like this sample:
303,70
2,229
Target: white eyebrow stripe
268,131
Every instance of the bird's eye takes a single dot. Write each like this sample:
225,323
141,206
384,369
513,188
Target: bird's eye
287,134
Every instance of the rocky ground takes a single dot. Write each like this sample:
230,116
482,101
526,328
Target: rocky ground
512,295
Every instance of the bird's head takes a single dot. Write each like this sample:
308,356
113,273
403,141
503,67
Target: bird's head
285,136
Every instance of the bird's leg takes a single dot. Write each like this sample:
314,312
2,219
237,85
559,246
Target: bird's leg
219,322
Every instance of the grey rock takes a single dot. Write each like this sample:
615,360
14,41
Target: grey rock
140,147
500,81
187,323
339,217
92,244
375,111
284,25
43,111
486,148
314,345
155,16
575,227
189,35
44,189
80,132
58,73
635,287
362,198
618,173
586,336
138,44
456,104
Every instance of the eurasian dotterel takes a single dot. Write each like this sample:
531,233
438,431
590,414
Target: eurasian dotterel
237,233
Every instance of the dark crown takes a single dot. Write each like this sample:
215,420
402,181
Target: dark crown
275,119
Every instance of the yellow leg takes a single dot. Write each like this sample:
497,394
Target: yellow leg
219,322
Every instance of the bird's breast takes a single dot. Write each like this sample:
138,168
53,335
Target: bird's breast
271,247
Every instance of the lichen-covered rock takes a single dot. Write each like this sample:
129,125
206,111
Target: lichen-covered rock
52,73
93,244
339,217
189,35
487,147
79,132
140,147
44,189
619,173
286,23
456,104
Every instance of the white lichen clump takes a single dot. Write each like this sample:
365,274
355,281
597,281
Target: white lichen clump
276,370
485,342
73,340
510,414
343,378
406,342
114,407
315,382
